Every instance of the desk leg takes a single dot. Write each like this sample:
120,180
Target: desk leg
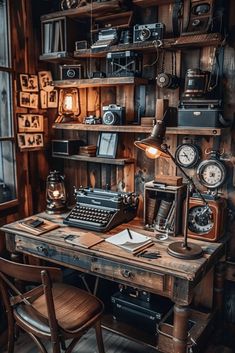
180,329
219,287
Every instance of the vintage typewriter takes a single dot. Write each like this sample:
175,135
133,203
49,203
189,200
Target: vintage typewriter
100,210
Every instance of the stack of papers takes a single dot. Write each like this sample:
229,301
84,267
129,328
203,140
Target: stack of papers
131,243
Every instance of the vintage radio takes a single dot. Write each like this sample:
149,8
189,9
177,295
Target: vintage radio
66,147
207,223
201,113
125,63
113,114
200,17
71,72
148,32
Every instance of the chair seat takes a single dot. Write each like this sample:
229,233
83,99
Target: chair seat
74,308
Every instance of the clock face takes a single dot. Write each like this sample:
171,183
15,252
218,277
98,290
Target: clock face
187,155
200,220
211,173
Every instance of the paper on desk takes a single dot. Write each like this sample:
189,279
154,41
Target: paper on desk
123,240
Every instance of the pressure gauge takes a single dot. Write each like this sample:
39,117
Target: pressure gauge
211,173
187,155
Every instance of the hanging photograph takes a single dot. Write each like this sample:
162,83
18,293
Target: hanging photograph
27,141
52,99
43,99
30,122
45,81
107,145
28,100
28,83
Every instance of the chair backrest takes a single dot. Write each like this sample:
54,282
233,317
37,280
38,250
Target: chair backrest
11,295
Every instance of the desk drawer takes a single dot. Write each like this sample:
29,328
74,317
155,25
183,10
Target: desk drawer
129,274
51,252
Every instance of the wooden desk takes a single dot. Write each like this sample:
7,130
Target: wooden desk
167,276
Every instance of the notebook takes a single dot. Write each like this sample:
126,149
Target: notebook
85,240
36,225
131,242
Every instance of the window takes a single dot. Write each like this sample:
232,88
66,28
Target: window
7,140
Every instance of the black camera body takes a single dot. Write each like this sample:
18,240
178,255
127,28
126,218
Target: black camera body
113,114
148,32
71,72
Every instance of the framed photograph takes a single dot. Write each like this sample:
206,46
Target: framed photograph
27,141
30,122
107,145
43,99
52,99
28,83
28,100
45,81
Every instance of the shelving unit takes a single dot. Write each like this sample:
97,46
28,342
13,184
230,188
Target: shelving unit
113,161
101,82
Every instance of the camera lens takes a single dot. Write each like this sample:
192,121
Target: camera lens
71,73
109,118
145,34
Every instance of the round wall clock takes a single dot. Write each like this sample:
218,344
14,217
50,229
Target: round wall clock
187,155
211,173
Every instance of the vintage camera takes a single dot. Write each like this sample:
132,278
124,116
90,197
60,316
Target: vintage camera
198,83
113,114
148,32
166,80
71,72
200,17
92,120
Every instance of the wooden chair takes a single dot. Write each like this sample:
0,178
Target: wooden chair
51,310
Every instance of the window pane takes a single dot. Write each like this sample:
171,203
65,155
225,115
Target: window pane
5,105
4,59
7,172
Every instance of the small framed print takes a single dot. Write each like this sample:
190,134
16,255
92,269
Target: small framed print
45,81
52,99
28,83
27,141
107,145
28,100
30,122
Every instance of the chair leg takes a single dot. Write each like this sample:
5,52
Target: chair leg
11,335
99,337
38,343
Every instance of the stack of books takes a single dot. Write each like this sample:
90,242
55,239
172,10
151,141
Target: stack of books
89,151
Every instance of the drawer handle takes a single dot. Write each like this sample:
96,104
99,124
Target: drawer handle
43,250
127,274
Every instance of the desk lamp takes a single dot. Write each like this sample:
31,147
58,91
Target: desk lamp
155,148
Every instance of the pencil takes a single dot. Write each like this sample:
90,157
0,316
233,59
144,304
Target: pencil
129,232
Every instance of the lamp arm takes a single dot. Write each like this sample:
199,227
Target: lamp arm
190,180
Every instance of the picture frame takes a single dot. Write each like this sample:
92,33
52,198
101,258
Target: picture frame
45,81
30,141
52,99
28,83
107,144
43,99
30,122
28,100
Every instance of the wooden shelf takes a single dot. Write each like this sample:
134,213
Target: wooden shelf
97,8
147,3
99,82
142,129
58,57
113,161
197,40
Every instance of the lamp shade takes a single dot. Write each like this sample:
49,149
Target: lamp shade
153,145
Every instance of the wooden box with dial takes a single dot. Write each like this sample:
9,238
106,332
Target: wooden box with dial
207,224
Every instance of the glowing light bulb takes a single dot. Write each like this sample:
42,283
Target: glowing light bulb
68,102
56,194
152,152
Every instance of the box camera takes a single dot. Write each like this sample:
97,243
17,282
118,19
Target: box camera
148,32
113,114
71,72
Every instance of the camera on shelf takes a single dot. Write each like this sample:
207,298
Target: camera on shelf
113,114
92,120
148,32
71,72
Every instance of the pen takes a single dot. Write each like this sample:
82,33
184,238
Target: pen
129,232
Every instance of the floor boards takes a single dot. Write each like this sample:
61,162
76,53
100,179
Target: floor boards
113,344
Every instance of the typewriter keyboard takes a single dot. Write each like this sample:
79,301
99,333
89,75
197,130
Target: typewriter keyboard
83,216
